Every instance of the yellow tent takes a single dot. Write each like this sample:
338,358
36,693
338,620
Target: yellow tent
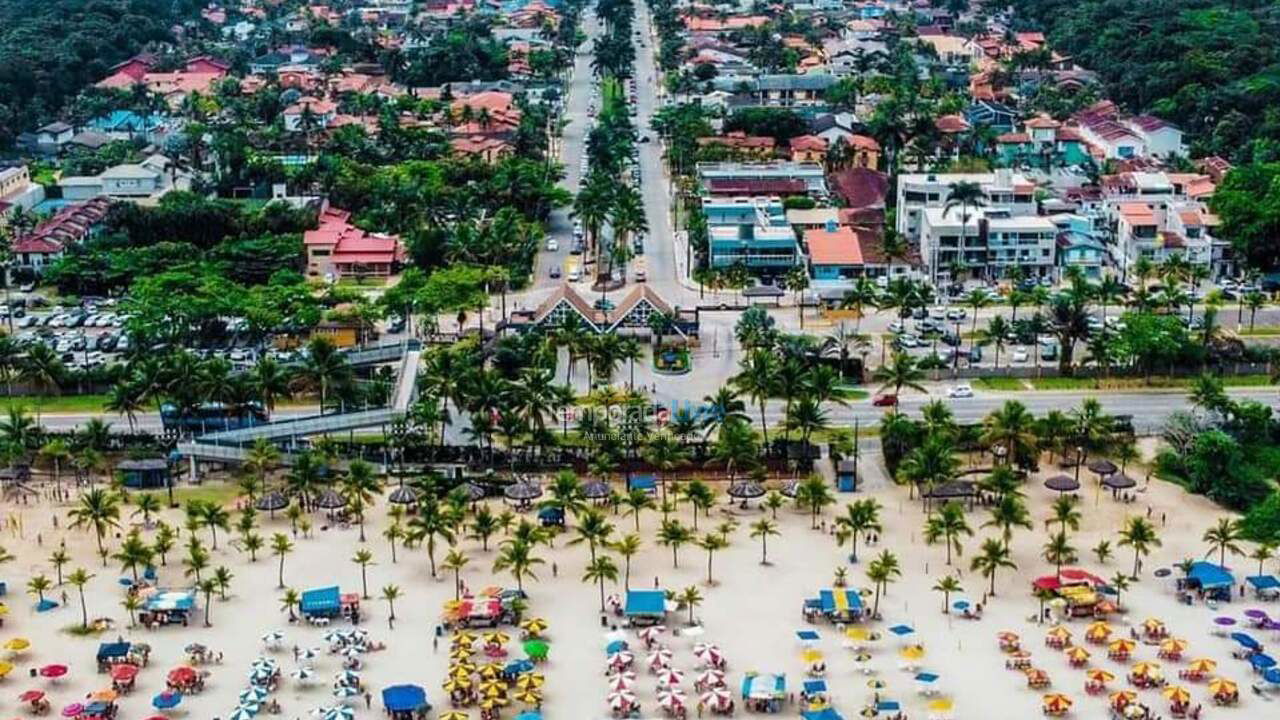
1099,675
1221,686
1202,665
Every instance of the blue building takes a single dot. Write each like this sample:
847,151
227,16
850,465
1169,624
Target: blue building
750,231
1078,246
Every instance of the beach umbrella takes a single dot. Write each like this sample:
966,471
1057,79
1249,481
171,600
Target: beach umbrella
1261,661
5,668
621,681
244,711
252,695
17,644
711,678
73,710
496,701
1221,686
403,496
303,673
489,671
456,683
272,501
537,680
711,656
31,696
347,677
651,633
1153,626
491,685
670,676
166,700
462,652
1062,483
746,490
876,684
518,666
106,695
671,698
1059,632
523,491
53,671
454,715
616,646
789,488
941,705
861,658
1202,665
330,500
1146,670
534,626
124,672
496,638
1056,703
1246,641
912,652
342,692
1122,645
717,697
1098,675
595,490
1122,698
660,657
1119,481
1177,694
620,660
961,605
195,649
620,700
1077,654
811,656
1272,675
1173,646
464,636
528,697
536,649
1102,466
273,638
340,712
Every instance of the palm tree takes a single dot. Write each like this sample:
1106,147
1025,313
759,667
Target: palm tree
99,509
593,529
517,558
997,334
391,593
58,558
1119,582
290,600
222,579
758,381
207,587
637,501
674,535
163,541
145,504
627,547
1011,428
132,604
813,493
56,452
197,559
881,571
700,497
599,570
963,194
454,561
691,598
483,526
133,552
1138,533
947,525
1058,550
946,585
764,529
1064,514
1009,512
79,578
930,465
323,369
712,543
429,525
902,371
1102,551
860,517
364,559
993,556
360,486
251,542
211,515
1224,537
1262,553
281,545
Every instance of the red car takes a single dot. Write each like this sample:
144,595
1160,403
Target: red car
885,400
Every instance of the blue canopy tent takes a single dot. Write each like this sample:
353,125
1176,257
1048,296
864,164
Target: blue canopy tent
807,636
515,667
321,602
826,713
1264,586
615,647
815,687
529,715
648,483
840,604
645,606
888,706
1213,579
902,630
110,653
764,693
168,606
551,516
404,701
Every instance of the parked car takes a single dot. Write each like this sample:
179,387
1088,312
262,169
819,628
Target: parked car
885,400
963,390
1020,355
555,271
552,245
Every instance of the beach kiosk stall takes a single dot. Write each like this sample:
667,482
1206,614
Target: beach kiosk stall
145,473
167,607
840,605
847,475
645,607
1079,589
405,702
1211,580
764,692
328,603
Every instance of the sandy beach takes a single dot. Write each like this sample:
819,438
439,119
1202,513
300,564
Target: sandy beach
752,611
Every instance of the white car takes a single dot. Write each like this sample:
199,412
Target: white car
1020,355
553,245
896,327
960,391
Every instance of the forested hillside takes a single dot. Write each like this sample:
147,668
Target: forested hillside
51,49
1210,66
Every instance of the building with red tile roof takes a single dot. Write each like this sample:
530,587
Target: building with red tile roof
70,225
337,248
808,149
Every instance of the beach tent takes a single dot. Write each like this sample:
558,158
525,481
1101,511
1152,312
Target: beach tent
1267,586
827,713
1210,576
171,601
321,602
764,692
840,603
643,482
551,516
401,701
646,605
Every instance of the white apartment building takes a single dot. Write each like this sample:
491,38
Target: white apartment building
994,241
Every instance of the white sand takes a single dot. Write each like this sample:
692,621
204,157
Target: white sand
752,613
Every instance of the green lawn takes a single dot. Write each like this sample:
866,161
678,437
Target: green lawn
220,493
58,403
1260,330
1002,384
1132,383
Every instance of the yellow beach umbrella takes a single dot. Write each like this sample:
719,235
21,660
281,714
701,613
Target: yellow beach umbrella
1077,654
1099,675
941,705
1153,625
4,609
461,652
1121,698
1056,703
1174,646
1099,628
17,644
463,666
856,633
457,683
454,715
1202,665
464,636
489,671
494,702
1122,645
5,668
1146,669
530,680
534,626
811,656
1059,632
496,638
528,697
1177,694
912,652
1222,686
495,692
1007,636
489,685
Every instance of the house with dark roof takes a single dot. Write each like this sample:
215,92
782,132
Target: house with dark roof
991,114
